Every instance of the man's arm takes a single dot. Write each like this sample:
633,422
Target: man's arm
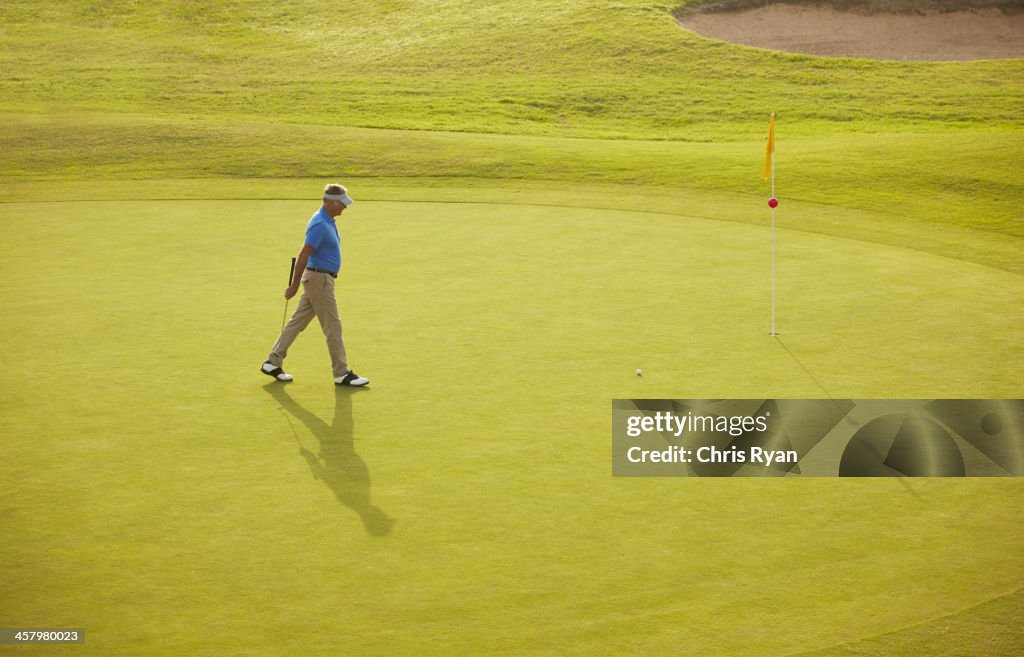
300,267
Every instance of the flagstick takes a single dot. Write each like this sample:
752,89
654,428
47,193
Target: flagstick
769,171
773,246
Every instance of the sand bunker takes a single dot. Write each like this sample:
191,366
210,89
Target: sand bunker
928,36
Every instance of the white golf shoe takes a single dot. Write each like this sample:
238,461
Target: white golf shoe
275,371
351,379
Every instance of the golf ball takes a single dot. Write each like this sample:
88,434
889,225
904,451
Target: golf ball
639,373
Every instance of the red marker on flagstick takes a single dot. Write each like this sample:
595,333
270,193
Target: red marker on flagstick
773,202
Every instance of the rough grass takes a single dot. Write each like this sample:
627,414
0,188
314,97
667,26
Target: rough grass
583,69
582,92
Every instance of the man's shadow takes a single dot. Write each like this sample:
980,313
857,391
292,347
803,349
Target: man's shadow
337,465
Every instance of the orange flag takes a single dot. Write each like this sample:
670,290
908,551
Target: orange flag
769,148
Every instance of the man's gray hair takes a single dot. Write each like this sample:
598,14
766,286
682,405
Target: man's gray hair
335,190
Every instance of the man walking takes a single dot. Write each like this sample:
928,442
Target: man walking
317,268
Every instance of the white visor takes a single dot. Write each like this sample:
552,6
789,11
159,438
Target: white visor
344,198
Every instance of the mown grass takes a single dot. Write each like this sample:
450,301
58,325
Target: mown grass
182,489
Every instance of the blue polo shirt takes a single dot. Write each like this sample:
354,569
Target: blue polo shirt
322,235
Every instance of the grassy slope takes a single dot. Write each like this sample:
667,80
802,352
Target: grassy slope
580,69
850,186
242,89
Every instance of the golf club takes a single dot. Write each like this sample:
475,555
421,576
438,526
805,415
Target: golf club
291,272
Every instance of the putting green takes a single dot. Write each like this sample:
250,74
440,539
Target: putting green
170,500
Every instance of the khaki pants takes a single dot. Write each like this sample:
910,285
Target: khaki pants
318,301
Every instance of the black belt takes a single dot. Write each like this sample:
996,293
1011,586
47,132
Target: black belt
332,274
